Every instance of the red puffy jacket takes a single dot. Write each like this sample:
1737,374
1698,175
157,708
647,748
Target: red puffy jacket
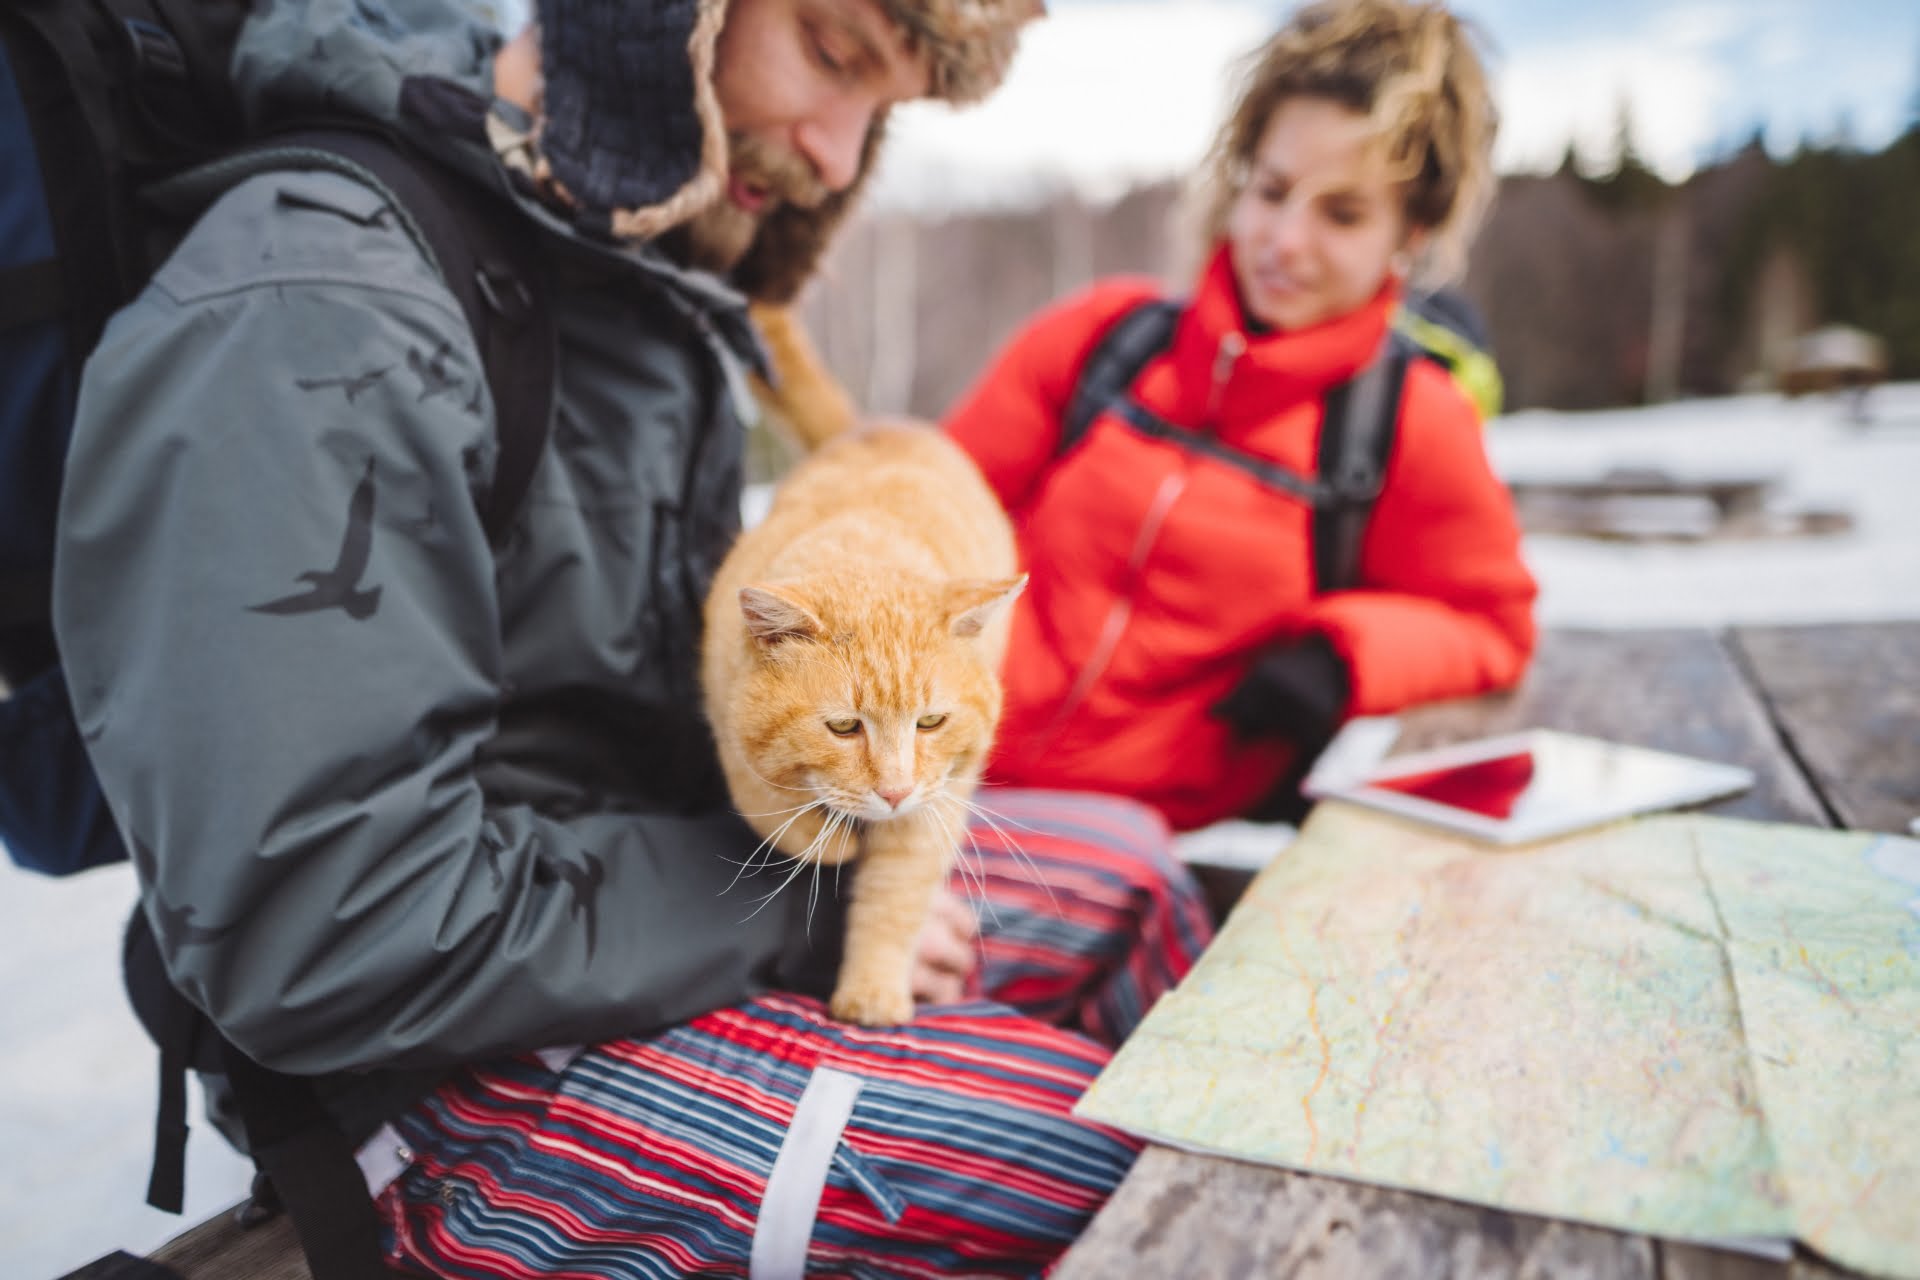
1158,575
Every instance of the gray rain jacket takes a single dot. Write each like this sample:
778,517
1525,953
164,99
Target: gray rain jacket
398,799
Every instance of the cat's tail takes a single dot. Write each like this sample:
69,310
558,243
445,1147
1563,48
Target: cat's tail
808,402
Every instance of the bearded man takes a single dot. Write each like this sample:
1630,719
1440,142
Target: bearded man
404,831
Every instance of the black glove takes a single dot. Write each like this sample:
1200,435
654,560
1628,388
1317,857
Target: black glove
1297,691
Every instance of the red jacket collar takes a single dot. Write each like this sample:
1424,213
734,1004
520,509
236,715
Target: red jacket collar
1274,369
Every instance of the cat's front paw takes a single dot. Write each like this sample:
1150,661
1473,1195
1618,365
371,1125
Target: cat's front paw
872,1004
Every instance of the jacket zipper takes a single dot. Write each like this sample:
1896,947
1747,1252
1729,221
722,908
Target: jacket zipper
1232,346
1120,612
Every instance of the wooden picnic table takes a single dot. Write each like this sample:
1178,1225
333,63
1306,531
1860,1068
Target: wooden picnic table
1827,717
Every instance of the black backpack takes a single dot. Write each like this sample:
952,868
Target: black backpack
104,105
1356,438
109,109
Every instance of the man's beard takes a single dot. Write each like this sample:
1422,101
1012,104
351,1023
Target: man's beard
719,236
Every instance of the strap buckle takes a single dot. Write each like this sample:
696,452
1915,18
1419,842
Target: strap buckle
1358,482
505,293
154,49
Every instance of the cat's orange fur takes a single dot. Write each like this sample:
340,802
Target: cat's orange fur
804,398
853,640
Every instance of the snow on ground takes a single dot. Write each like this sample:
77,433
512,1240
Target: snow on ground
1821,459
76,1112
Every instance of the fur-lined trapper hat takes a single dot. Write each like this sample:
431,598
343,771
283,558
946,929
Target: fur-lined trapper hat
631,129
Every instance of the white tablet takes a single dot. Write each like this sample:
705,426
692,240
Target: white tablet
1527,786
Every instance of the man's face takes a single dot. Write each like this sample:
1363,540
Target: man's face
799,84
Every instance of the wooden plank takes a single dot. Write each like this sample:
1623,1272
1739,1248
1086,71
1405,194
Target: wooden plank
1846,698
222,1249
1256,1221
1190,1215
1693,1262
1676,690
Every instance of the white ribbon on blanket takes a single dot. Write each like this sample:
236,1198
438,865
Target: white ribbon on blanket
799,1175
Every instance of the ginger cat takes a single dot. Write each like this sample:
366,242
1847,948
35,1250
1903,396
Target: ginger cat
850,661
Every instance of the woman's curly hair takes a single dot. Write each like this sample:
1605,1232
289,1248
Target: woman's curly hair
1414,71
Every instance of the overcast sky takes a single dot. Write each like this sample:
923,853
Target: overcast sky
1106,92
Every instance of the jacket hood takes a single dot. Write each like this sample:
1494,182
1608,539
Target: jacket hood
299,58
425,68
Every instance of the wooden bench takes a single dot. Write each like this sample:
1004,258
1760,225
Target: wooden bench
221,1249
1644,503
218,1249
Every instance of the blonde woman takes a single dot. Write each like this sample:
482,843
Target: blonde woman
1181,639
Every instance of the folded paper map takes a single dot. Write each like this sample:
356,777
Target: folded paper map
1692,1027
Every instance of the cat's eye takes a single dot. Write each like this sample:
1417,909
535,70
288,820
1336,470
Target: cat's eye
932,720
845,726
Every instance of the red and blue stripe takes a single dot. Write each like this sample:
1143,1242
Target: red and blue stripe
650,1158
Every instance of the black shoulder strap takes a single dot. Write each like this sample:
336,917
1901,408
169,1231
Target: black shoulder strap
1356,436
486,256
306,1163
488,264
1140,333
311,1166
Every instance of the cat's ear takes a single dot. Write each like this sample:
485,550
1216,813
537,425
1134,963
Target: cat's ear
972,603
773,616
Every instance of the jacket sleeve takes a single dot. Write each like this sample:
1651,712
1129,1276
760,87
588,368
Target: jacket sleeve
1448,607
1010,420
277,611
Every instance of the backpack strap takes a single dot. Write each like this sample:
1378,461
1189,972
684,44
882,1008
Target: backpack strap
1303,488
1357,427
1141,333
306,1163
1446,328
488,263
1356,435
487,256
311,1166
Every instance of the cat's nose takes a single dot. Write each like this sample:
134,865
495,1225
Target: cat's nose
893,795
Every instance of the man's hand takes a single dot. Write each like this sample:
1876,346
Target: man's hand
947,953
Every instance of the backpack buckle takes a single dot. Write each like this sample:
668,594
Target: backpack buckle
506,294
1358,482
154,49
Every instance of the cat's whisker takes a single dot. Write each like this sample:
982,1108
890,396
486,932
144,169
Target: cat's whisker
993,817
1013,847
804,857
802,791
799,865
753,858
813,890
836,818
763,852
972,878
774,813
813,897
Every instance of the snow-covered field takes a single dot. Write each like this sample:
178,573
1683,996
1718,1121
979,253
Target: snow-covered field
1821,460
76,1111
